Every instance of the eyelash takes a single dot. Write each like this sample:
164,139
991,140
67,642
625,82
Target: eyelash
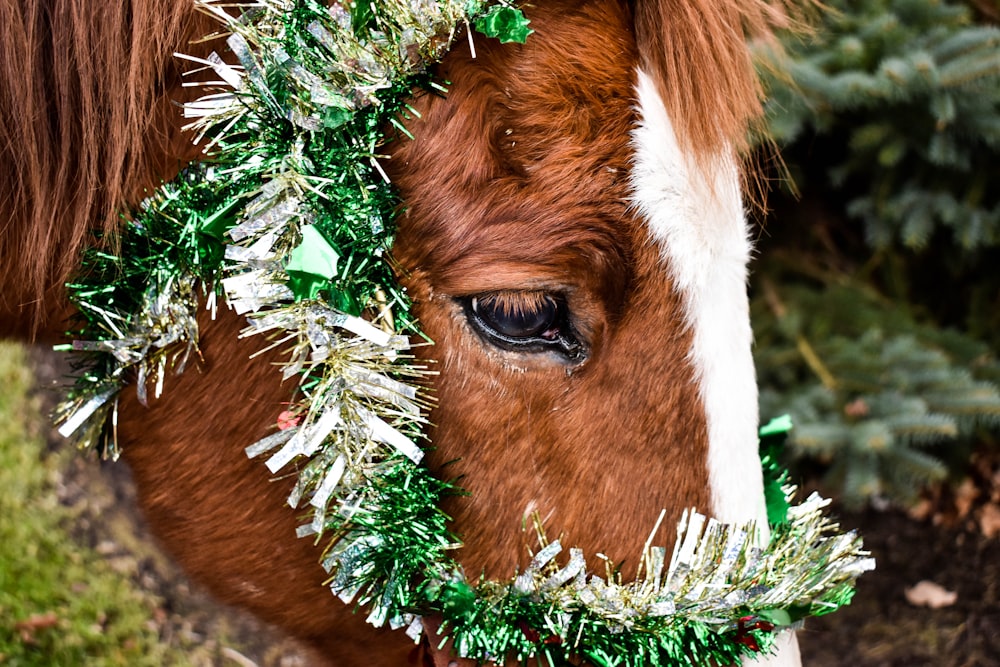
529,329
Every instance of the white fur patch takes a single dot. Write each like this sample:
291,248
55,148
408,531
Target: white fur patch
696,217
702,234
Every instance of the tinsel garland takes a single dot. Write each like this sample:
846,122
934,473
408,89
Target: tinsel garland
287,218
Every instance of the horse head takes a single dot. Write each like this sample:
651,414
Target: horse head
582,274
575,243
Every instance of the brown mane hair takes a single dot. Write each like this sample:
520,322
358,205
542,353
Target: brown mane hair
696,51
85,97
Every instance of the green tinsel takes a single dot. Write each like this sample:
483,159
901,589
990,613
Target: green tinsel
772,443
287,218
718,598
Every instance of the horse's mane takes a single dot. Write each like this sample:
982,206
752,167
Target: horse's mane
696,51
86,86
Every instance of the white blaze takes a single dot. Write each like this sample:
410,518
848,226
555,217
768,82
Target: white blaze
696,217
703,237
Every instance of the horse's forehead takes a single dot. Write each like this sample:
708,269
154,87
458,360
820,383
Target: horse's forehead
530,142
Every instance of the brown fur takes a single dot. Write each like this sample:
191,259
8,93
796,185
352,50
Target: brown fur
696,52
517,181
221,517
87,98
537,200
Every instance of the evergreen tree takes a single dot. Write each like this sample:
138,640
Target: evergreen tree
910,92
889,122
869,389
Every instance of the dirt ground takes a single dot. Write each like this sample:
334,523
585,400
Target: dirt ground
880,629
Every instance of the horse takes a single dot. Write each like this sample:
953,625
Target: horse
587,184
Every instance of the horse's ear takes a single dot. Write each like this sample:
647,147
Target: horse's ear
696,51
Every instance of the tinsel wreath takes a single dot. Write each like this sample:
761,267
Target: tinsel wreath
287,218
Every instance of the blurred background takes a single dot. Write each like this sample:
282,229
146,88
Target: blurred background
876,306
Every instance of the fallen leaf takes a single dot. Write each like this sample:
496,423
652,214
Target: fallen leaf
922,510
928,594
26,628
38,621
965,496
989,520
856,408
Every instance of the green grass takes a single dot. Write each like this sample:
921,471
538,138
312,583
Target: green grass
60,603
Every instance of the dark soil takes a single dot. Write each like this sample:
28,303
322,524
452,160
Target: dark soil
880,628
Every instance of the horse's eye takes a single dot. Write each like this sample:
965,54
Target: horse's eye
527,321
